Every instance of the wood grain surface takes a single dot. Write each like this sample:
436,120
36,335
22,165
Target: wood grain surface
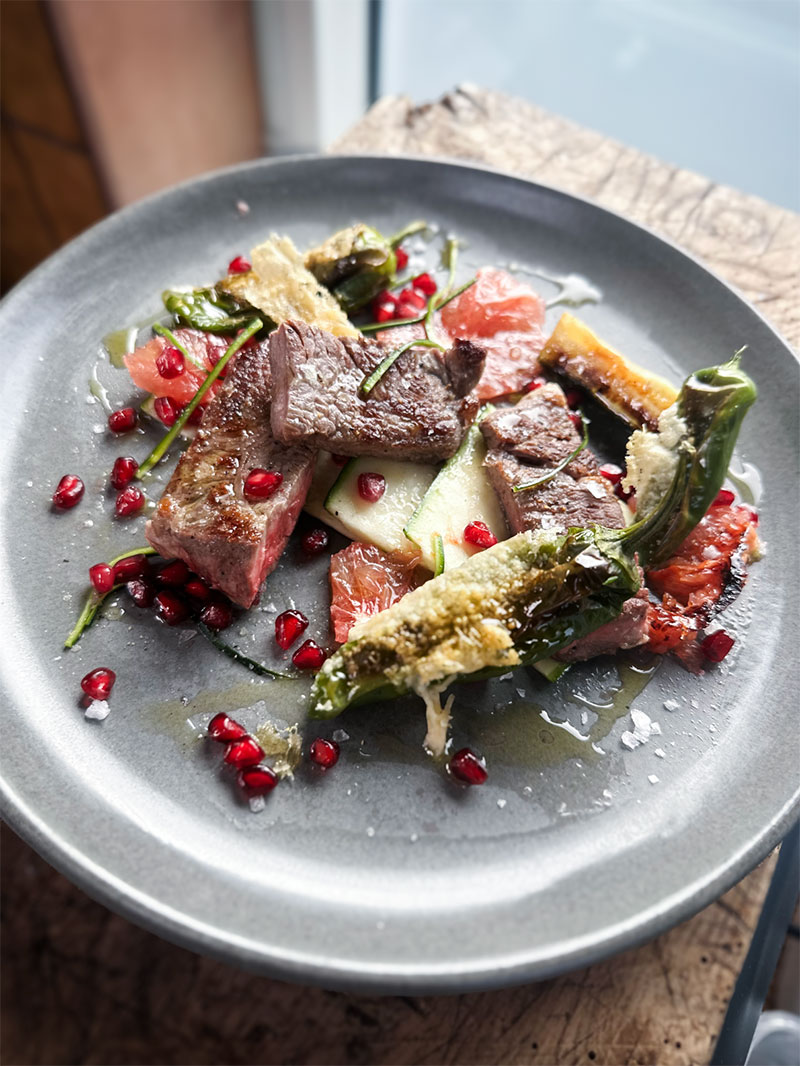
753,244
83,986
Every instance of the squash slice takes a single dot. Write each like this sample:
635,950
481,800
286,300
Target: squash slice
634,394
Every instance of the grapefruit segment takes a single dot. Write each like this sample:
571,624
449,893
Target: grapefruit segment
205,350
366,580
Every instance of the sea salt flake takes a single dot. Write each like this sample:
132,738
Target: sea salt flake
671,705
653,779
340,736
243,207
370,831
97,709
257,803
501,803
660,753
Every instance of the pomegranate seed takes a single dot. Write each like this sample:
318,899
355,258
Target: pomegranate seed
532,386
467,767
68,492
309,656
196,417
98,683
385,313
371,486
142,592
573,397
612,472
130,501
723,498
315,541
576,419
171,608
383,299
122,421
340,460
239,265
246,751
753,516
166,410
101,576
414,299
717,645
217,615
401,255
324,752
123,471
261,484
424,283
406,310
479,533
257,779
224,729
171,363
173,574
288,627
198,590
128,569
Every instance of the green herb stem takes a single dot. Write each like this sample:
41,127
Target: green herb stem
94,602
372,379
416,226
373,327
238,657
559,466
162,331
161,448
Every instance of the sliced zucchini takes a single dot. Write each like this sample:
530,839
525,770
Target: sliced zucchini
551,669
634,394
380,523
460,494
326,471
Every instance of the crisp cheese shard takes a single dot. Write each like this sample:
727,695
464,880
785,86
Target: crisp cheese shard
280,286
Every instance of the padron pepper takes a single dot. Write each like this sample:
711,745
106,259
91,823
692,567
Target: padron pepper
525,598
355,264
701,431
208,309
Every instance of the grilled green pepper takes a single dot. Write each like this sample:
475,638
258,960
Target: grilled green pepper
692,450
510,605
526,598
208,309
355,264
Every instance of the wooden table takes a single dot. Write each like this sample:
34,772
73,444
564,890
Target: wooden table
82,985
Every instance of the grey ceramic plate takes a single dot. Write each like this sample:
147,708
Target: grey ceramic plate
381,874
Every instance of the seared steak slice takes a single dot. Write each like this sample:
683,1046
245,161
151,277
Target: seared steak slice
628,630
203,516
418,410
524,443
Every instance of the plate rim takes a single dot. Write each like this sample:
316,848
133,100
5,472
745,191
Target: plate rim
122,897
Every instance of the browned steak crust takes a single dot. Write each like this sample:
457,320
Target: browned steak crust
418,410
524,443
203,516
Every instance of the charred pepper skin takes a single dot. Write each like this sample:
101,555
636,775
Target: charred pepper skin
355,264
712,403
559,587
